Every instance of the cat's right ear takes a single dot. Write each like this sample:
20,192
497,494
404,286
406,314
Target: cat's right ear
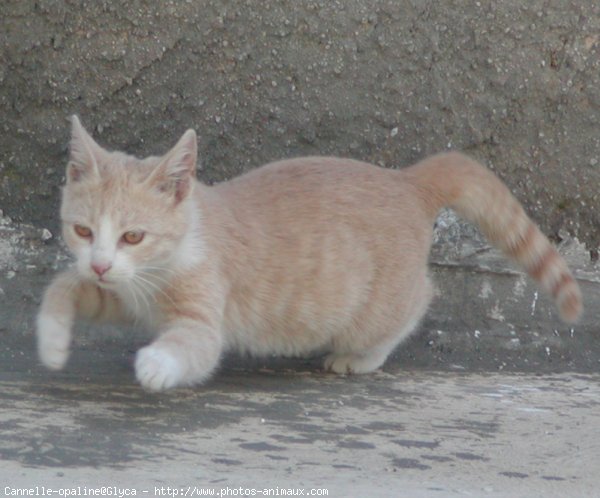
83,153
175,171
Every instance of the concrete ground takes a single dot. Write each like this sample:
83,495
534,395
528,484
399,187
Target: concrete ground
285,425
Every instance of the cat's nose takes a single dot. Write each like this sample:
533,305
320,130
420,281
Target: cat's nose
101,268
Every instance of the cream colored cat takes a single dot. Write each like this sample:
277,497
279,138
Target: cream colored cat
303,256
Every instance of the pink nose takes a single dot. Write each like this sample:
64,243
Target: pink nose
101,268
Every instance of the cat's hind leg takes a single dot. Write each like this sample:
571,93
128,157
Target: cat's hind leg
368,359
355,356
355,363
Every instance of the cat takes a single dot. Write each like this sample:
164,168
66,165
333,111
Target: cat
298,257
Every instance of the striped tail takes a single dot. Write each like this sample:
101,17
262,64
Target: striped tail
454,180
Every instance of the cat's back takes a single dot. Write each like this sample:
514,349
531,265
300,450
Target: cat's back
308,183
307,171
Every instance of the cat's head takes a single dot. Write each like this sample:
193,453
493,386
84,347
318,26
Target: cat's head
124,218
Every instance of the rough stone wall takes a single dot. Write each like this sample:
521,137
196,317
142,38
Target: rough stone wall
516,84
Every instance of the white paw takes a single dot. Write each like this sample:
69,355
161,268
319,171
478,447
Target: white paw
157,368
53,340
337,364
351,364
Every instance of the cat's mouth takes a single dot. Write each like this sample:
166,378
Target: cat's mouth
104,282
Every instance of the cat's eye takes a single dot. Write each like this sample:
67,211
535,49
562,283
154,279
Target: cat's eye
83,231
133,237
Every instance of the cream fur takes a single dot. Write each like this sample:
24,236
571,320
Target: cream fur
298,257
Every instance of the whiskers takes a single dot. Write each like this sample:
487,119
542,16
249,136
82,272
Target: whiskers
139,290
72,280
145,286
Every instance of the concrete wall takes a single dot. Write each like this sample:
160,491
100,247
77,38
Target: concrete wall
517,84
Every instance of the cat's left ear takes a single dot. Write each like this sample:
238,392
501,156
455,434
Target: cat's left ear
176,170
84,153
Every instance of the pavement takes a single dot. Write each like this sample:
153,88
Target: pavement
284,426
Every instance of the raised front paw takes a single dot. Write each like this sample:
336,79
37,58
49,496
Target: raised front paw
53,341
157,368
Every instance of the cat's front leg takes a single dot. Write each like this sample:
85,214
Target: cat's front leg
185,354
65,299
55,320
